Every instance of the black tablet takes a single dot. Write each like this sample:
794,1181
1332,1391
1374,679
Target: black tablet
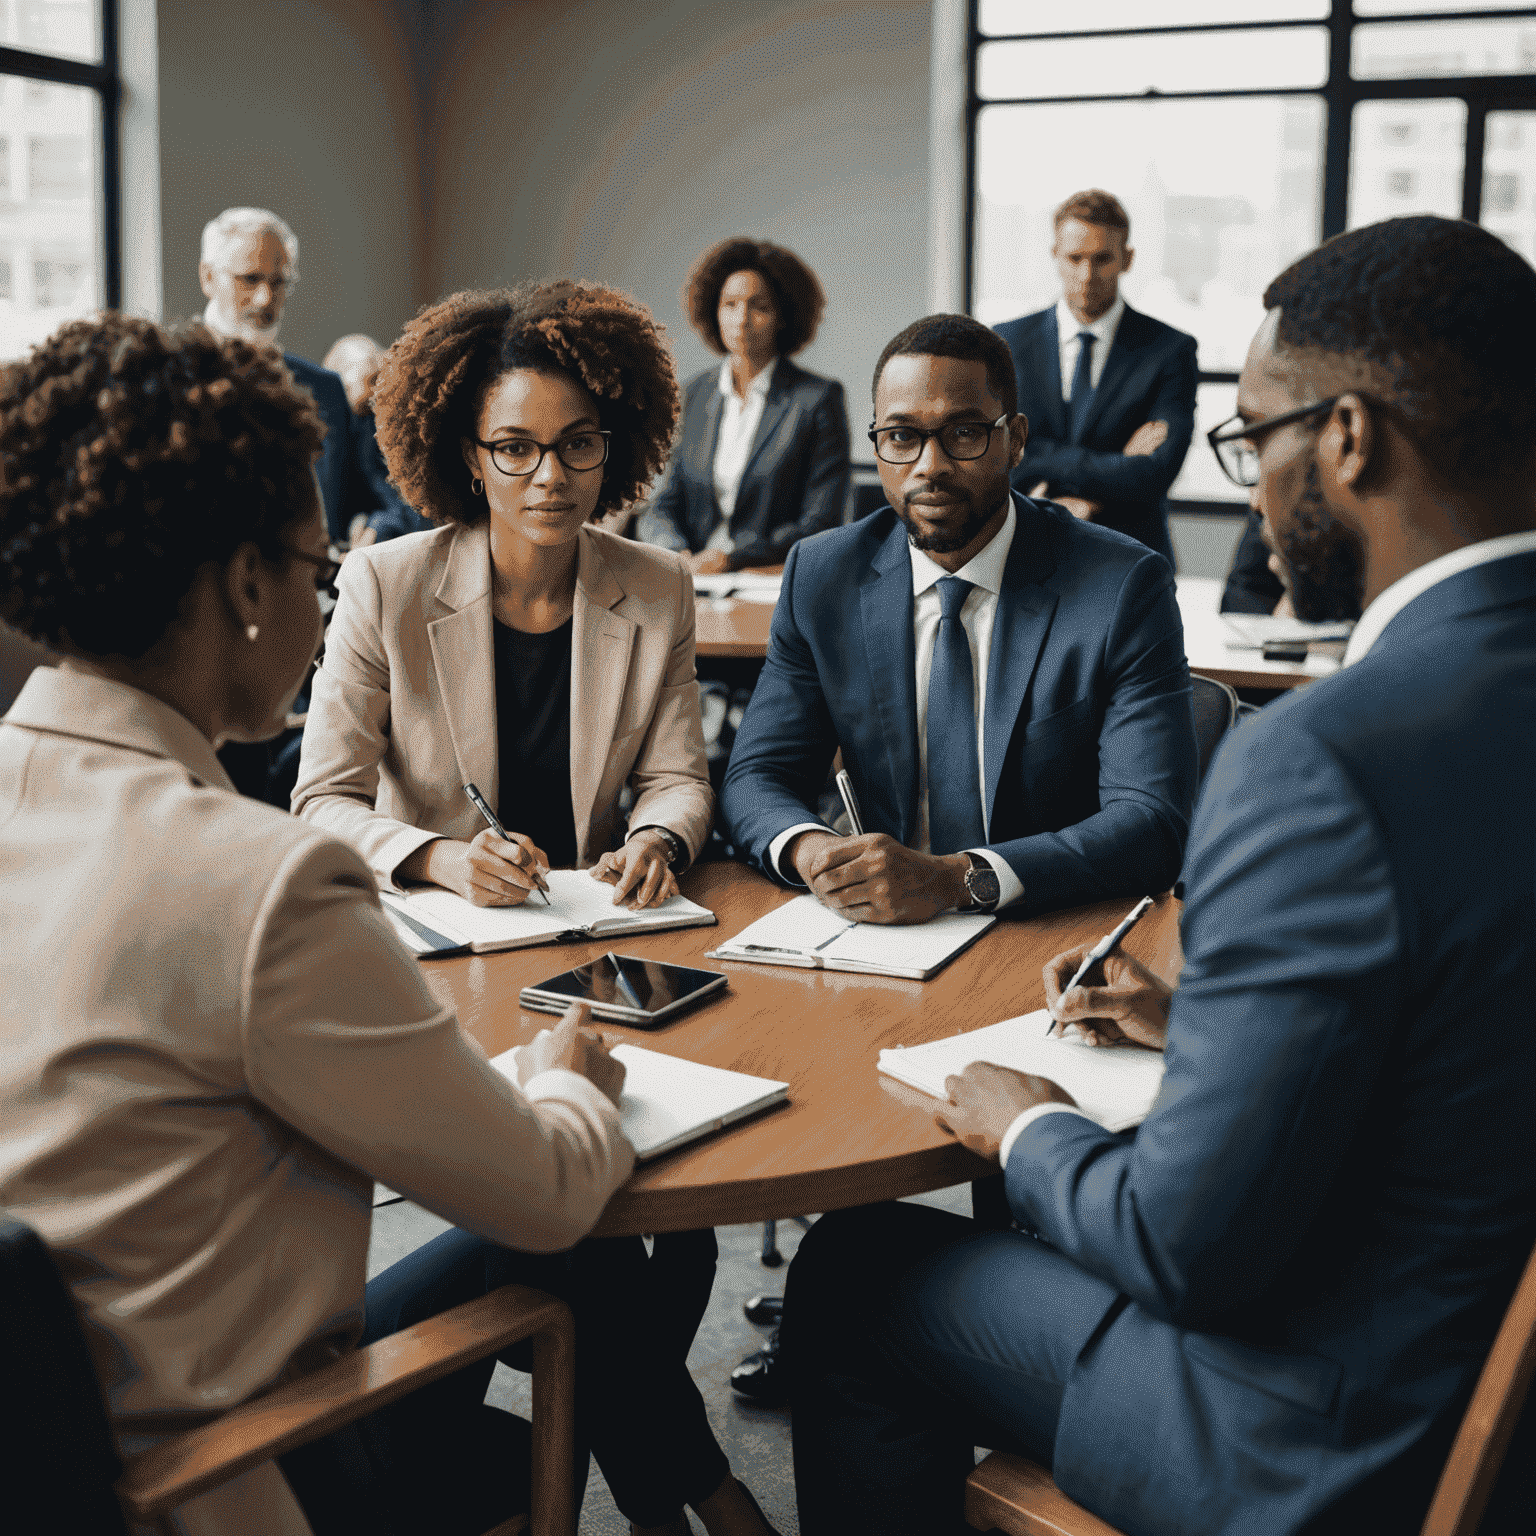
626,990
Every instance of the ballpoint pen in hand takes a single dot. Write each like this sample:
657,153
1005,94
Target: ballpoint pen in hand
850,802
478,801
1102,948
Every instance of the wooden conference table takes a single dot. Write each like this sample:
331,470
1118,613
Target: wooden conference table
730,627
847,1135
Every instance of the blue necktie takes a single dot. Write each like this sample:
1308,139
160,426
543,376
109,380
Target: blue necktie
954,780
1082,384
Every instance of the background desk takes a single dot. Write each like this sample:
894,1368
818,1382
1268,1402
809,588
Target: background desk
731,628
847,1135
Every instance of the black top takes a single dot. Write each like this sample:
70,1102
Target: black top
1251,586
533,738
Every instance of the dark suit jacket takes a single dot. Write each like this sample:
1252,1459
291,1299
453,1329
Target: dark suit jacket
1251,586
1090,747
795,482
337,465
1316,1230
387,511
1149,375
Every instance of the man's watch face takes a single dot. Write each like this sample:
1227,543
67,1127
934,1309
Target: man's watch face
983,886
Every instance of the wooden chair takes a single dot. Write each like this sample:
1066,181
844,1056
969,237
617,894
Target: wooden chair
156,1481
1019,1497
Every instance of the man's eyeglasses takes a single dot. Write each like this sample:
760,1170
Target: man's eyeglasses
959,440
326,569
522,456
1234,441
249,282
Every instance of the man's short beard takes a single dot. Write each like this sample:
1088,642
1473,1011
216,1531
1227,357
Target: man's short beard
216,320
1324,559
945,543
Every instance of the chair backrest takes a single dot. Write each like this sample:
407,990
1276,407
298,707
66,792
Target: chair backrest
1215,710
1490,1419
55,1444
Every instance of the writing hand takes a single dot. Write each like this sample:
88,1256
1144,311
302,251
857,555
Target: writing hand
1146,440
489,871
1130,1008
638,871
707,562
874,879
575,1048
984,1100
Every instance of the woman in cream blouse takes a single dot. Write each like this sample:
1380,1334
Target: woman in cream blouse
517,647
210,1042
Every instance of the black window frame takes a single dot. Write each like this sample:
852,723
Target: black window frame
1339,93
105,78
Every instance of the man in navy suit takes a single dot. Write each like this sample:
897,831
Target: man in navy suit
1109,392
247,266
1266,1310
1007,684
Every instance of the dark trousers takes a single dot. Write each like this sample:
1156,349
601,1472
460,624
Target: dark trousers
441,1460
912,1336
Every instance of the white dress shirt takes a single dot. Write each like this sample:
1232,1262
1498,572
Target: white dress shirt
1386,607
1069,327
985,572
739,421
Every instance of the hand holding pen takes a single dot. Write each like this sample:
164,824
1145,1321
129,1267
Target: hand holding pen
1131,1007
507,866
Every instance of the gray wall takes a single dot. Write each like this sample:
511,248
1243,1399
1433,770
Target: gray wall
310,108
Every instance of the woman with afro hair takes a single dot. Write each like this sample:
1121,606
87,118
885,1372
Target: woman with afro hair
520,648
763,457
211,1042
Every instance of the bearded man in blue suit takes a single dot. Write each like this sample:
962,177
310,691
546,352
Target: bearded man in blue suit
1108,391
1265,1311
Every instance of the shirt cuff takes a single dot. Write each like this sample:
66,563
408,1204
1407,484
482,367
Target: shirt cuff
1009,886
1021,1122
562,1083
782,841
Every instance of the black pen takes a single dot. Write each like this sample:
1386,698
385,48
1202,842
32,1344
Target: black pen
1103,947
478,801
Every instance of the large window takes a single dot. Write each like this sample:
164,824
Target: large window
59,240
1238,133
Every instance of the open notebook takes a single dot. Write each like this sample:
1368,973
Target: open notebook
1113,1084
668,1102
803,932
579,906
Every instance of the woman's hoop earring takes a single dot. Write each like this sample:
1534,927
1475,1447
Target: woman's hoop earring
476,486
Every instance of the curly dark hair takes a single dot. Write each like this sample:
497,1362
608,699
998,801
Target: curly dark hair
962,338
1445,313
797,294
131,455
434,380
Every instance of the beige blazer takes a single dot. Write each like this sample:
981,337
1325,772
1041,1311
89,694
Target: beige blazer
211,1044
403,710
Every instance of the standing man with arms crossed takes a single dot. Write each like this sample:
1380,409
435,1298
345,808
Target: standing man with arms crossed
1265,1312
1109,392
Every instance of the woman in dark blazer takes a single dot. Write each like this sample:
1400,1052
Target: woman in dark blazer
763,456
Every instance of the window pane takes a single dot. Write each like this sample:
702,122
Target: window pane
1201,478
1509,180
50,209
1222,196
71,28
1406,157
1414,50
1098,15
1407,7
1193,61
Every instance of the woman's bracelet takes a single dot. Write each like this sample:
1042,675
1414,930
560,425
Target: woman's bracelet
677,849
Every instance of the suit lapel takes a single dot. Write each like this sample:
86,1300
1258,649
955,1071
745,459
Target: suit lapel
1047,365
704,463
775,409
463,658
885,600
1024,612
1118,367
601,644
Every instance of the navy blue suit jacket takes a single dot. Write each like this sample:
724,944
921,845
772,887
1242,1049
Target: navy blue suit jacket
336,467
1316,1230
1090,749
1149,375
795,482
387,511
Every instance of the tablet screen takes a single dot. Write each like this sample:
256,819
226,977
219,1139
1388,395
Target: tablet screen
622,981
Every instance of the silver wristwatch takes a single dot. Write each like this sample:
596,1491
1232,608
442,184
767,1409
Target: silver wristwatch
982,887
677,849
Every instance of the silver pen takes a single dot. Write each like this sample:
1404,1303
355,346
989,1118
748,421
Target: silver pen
477,800
850,802
1103,947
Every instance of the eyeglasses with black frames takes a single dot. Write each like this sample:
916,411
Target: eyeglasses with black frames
578,451
960,440
326,569
1234,441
